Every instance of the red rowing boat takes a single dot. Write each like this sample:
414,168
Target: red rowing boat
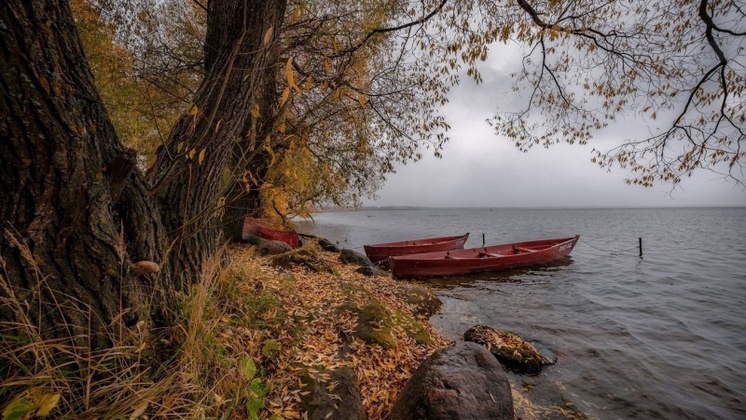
491,258
381,252
267,230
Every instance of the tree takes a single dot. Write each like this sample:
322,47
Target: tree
679,65
76,210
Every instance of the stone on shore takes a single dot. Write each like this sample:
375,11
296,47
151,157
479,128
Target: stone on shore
328,245
338,398
460,382
305,257
369,270
273,247
511,350
349,256
423,301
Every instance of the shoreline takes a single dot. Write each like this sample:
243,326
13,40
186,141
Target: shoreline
325,335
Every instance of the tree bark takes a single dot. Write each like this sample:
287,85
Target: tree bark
72,197
75,211
191,190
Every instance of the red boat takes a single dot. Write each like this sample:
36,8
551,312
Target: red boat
267,230
474,260
381,252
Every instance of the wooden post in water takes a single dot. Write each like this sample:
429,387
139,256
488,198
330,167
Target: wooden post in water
483,239
640,247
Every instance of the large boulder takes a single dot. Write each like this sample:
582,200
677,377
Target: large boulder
511,350
460,382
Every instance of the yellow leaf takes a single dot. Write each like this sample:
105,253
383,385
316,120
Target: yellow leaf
191,153
139,410
201,156
295,16
309,83
193,110
360,100
327,65
46,402
268,36
285,96
255,112
289,72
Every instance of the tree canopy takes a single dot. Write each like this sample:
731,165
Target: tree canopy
358,87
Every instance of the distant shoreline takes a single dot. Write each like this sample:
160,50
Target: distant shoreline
408,208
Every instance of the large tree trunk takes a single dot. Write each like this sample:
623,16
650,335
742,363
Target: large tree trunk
75,210
192,190
249,161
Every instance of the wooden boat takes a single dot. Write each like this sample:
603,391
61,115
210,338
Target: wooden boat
267,230
381,252
474,260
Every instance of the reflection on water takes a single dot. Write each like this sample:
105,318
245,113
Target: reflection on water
655,337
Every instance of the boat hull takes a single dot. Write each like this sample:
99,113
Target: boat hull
482,259
381,252
266,230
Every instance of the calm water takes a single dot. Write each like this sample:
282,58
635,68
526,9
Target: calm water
662,336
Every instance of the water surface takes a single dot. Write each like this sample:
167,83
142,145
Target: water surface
657,336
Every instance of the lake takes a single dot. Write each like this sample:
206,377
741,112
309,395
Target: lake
657,336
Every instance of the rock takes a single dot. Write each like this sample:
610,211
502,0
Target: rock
303,257
369,270
423,300
511,350
251,238
339,398
349,256
374,324
273,247
460,382
328,245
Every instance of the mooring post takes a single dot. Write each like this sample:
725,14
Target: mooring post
483,239
640,247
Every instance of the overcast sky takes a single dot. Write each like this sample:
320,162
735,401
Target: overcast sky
482,170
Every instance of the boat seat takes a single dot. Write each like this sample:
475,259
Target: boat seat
488,255
521,249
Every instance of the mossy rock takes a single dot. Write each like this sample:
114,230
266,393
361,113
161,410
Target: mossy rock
414,329
306,257
511,350
337,398
423,301
374,325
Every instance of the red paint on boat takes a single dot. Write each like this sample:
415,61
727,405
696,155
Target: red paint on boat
268,230
381,252
482,259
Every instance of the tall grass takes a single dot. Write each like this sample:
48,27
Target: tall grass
63,378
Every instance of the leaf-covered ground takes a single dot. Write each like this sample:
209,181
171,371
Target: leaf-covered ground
293,324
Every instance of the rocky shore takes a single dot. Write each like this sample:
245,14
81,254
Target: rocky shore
354,343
